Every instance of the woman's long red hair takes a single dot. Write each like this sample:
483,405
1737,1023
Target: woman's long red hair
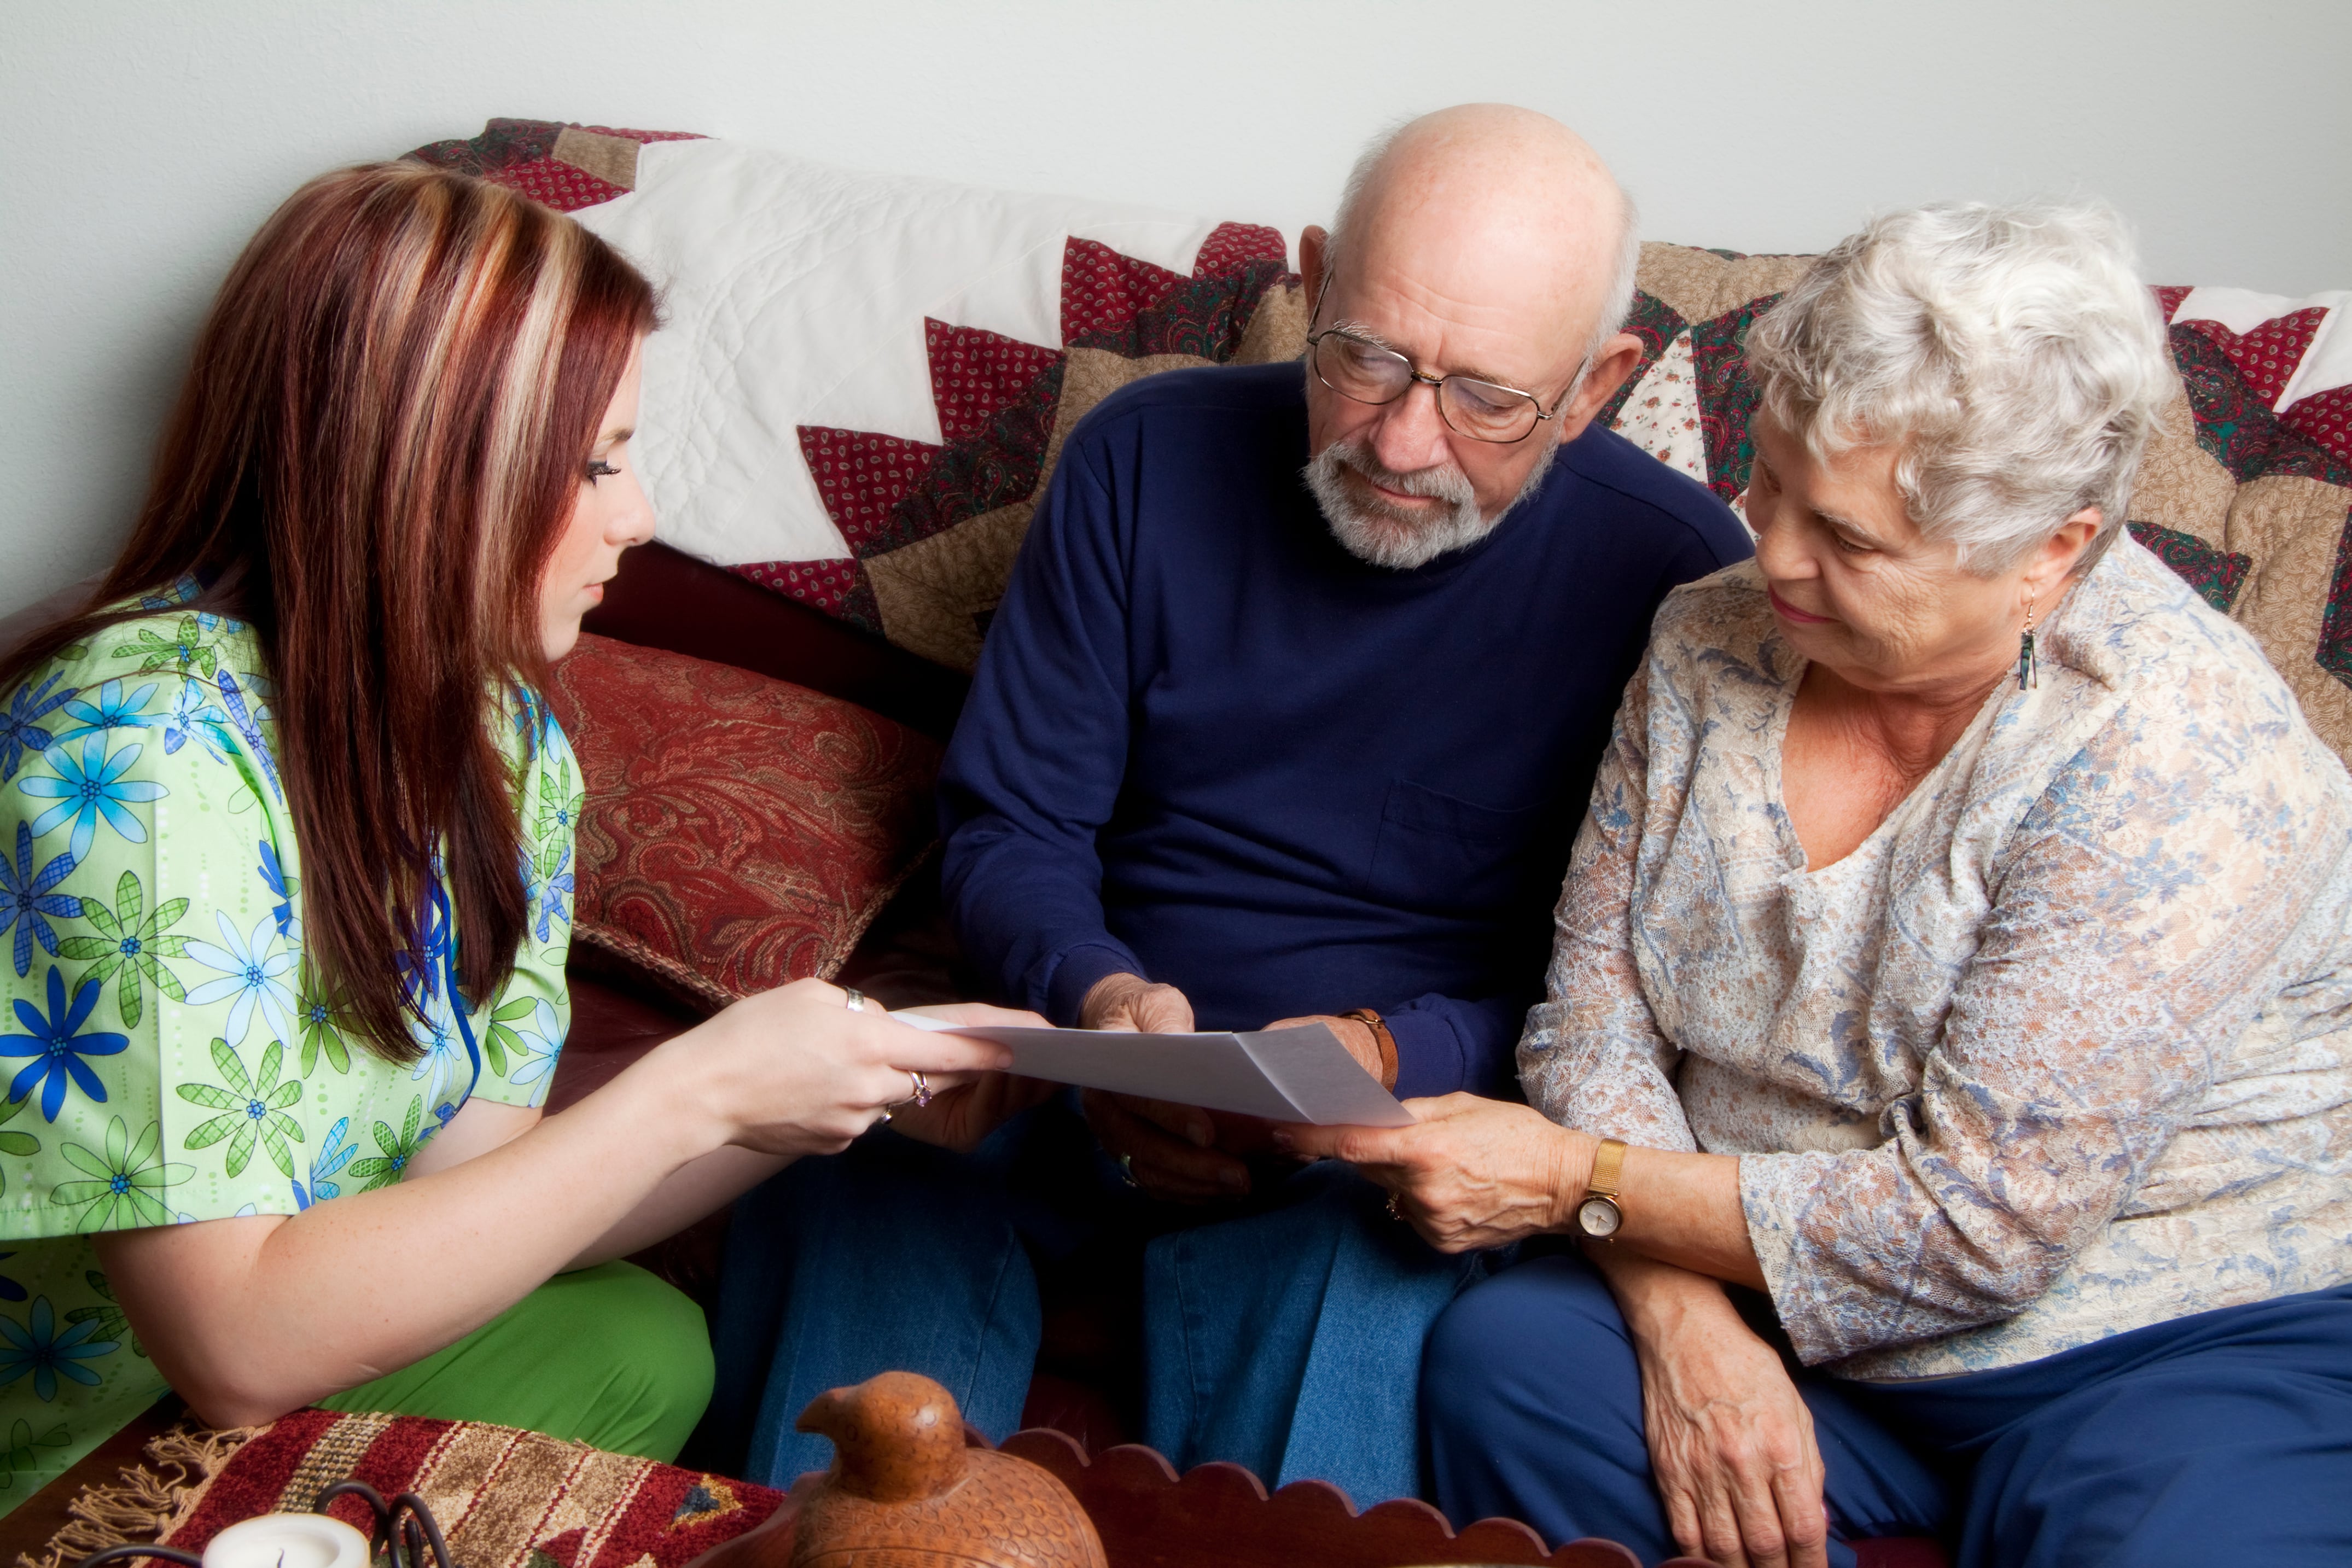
382,434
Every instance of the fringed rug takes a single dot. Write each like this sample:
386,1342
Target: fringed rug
505,1498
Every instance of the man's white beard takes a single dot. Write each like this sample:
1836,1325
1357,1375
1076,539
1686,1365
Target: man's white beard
1373,530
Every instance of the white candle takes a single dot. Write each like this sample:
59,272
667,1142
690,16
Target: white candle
289,1540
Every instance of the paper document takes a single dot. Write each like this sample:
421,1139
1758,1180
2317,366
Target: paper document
1301,1074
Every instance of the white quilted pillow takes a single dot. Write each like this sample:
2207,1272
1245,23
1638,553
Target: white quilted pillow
795,294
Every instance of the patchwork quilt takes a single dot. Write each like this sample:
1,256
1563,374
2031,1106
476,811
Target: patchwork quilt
865,379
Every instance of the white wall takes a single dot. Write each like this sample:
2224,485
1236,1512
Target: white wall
140,144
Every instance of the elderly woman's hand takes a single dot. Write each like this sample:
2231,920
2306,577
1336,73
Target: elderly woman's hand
1474,1173
1731,1441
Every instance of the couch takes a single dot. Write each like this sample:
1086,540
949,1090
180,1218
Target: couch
839,533
2247,495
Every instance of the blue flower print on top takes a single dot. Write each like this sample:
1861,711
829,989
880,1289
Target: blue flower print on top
112,710
193,718
180,593
420,969
21,729
552,893
527,866
242,715
445,1060
26,899
39,1349
90,787
550,1046
334,1154
274,878
57,1046
251,973
532,719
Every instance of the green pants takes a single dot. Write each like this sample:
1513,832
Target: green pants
610,1356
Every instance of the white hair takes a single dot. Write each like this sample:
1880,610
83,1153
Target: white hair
2012,354
1615,305
1387,535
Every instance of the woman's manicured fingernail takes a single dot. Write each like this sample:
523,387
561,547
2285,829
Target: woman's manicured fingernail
1283,1141
1235,1181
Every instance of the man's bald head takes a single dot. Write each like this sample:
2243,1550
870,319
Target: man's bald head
1498,205
1479,245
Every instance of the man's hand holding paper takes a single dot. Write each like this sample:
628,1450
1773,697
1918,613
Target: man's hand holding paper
1182,1112
1171,1149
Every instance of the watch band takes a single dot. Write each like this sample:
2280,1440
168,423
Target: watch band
1381,1036
1598,1213
1608,1165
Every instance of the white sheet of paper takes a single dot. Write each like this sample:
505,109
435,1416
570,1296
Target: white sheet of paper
1301,1074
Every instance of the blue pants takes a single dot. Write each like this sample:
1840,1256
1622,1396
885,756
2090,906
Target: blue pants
2222,1437
1283,1334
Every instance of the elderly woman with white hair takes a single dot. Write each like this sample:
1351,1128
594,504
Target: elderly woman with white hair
1947,1073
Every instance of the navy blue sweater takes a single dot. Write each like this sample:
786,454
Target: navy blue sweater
1208,746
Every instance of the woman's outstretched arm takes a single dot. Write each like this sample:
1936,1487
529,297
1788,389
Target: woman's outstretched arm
252,1317
958,1117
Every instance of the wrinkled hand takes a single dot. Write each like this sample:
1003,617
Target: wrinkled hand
1171,1149
1134,1005
1355,1034
1732,1442
1474,1173
794,1071
966,1111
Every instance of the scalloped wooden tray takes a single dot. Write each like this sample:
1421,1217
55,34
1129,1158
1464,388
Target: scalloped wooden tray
1150,1516
1219,1516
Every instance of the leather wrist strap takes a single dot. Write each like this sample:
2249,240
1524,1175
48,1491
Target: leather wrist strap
1382,1037
1608,1163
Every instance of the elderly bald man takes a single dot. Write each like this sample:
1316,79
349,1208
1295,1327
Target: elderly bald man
1301,678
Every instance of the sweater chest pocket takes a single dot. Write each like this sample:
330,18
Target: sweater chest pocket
1439,851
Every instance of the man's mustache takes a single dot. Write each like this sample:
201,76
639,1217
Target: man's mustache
1438,482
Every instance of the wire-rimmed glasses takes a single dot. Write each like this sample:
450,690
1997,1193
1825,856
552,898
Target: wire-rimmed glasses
1355,367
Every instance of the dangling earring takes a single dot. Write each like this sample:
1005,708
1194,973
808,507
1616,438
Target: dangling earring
2029,672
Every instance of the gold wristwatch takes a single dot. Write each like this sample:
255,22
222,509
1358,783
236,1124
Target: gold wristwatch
1599,1216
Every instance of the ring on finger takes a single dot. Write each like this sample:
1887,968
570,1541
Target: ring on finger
1127,1170
853,999
1394,1212
922,1095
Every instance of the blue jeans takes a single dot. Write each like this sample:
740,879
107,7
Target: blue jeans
2222,1438
1289,1340
1283,1334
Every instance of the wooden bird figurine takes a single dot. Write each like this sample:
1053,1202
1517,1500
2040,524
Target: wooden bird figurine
905,1489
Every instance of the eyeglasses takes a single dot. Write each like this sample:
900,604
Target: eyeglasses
1355,367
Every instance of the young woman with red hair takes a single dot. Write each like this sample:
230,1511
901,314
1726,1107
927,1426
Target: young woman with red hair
283,875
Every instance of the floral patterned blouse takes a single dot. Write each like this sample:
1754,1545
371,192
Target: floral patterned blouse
168,1056
2060,1051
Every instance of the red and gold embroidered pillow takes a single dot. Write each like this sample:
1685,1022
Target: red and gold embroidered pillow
738,831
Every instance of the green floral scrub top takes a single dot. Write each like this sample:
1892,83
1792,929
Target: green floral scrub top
165,1055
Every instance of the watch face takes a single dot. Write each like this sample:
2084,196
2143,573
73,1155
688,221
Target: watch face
1599,1217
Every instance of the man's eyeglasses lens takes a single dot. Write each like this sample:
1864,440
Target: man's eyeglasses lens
1370,373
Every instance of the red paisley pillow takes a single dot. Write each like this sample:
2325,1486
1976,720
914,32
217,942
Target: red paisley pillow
739,832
